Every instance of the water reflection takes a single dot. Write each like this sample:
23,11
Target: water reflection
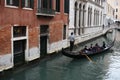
60,67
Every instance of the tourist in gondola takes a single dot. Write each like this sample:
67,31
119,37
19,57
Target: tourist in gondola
72,40
91,47
85,50
97,47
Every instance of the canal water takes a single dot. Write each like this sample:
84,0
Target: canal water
105,66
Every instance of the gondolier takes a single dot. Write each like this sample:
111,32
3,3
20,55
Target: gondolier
72,40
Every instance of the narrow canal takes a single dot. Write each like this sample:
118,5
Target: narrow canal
60,67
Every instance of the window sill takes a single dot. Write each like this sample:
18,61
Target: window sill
66,13
19,38
27,8
57,12
10,6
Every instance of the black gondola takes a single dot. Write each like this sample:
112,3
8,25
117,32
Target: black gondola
76,54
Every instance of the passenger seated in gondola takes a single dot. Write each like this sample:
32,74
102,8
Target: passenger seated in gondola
91,47
85,50
97,47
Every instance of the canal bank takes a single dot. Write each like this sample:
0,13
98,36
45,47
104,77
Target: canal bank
27,64
60,67
7,72
79,40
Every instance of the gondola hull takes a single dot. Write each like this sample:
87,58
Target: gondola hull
76,54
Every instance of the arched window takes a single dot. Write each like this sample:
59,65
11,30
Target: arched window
83,15
94,17
75,17
79,14
101,19
98,18
88,15
79,18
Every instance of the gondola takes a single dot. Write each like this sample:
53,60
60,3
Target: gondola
77,54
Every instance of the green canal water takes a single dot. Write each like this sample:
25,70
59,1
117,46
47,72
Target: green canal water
60,67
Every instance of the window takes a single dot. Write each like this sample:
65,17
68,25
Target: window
47,4
44,29
66,6
12,2
100,18
58,5
64,32
88,15
83,21
0,2
75,17
28,3
116,16
19,31
79,15
116,10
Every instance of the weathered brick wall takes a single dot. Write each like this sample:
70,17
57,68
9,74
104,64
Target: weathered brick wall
23,17
20,17
5,39
56,31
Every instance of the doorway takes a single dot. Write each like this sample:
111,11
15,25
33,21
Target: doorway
44,32
43,45
19,52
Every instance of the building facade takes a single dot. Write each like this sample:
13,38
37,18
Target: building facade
86,17
111,11
117,9
30,29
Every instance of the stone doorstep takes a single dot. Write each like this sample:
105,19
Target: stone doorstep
1,68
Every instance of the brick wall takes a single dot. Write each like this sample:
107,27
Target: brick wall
5,39
23,17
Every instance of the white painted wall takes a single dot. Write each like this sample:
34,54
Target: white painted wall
33,53
56,46
6,62
71,15
88,4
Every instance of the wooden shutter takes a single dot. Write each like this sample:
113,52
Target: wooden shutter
58,5
32,4
50,4
23,3
16,2
66,6
8,2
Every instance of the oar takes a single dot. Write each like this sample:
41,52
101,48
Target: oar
88,57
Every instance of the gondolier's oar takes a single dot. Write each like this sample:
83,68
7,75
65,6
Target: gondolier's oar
87,57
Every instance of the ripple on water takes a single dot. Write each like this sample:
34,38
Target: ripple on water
114,67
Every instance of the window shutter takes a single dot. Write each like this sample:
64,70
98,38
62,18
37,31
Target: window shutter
50,4
32,4
66,6
23,3
16,2
8,2
58,5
